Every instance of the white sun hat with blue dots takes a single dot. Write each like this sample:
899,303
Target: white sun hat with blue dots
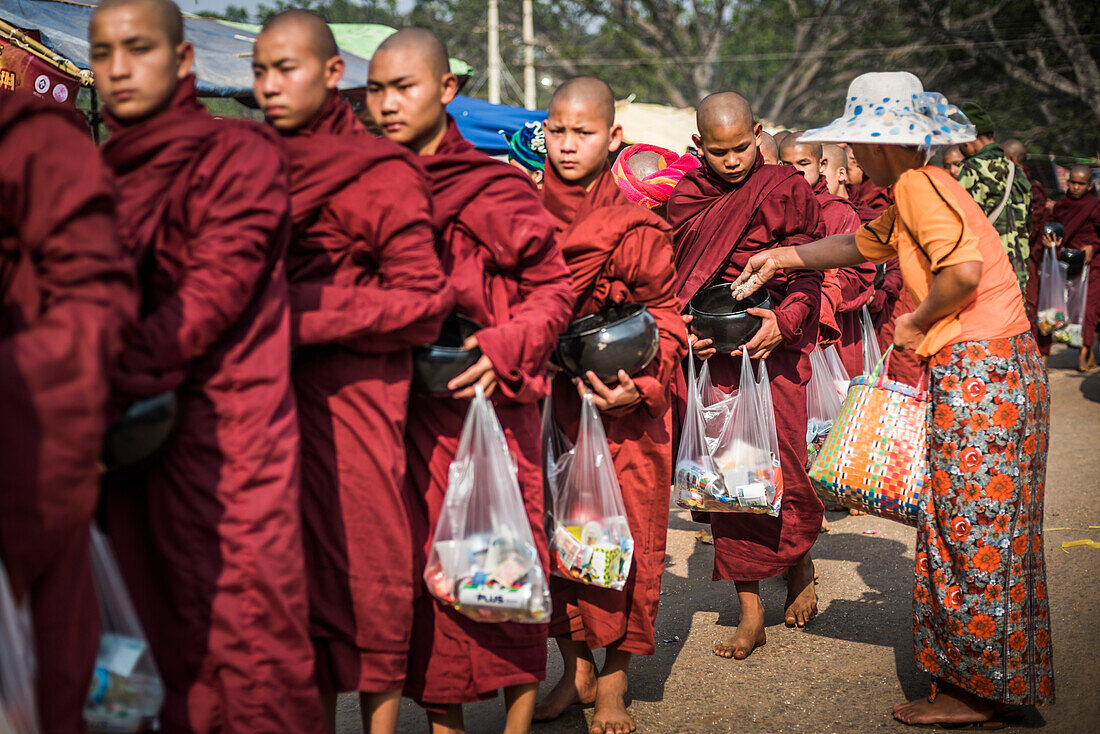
892,108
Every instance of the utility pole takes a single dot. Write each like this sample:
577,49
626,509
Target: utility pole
528,55
494,52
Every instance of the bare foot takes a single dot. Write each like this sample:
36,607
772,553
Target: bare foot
749,634
825,525
953,705
801,596
856,513
611,716
570,690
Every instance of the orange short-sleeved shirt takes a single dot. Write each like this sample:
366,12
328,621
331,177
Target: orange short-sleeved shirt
934,223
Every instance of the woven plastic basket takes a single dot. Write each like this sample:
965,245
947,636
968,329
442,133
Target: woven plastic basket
875,458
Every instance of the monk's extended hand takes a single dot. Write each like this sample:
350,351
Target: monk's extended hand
605,398
481,373
907,335
758,270
766,339
1050,240
701,347
1090,251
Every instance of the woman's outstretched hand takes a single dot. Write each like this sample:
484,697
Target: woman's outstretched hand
759,270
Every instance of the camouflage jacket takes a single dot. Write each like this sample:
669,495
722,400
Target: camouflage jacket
985,175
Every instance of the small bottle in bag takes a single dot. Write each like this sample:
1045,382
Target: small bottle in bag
591,542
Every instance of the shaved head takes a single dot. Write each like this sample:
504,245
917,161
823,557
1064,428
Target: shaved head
167,15
1081,171
722,109
806,157
782,135
769,149
835,169
321,40
588,91
1080,182
792,140
835,155
423,43
1015,150
644,163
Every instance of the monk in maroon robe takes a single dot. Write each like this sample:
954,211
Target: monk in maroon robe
617,252
208,535
721,214
845,291
66,296
365,286
1079,213
497,248
1040,215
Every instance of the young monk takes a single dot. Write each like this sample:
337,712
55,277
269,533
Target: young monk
497,247
834,168
721,214
207,536
769,148
844,291
617,252
67,296
365,285
1079,213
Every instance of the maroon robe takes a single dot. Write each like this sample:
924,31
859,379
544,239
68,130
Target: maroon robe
499,253
365,285
208,535
854,287
875,197
1081,219
66,295
717,227
619,252
1039,218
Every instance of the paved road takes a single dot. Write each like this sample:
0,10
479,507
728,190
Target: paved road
844,672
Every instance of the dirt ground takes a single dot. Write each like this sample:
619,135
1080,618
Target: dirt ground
845,671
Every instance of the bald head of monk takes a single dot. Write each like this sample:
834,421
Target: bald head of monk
855,171
138,56
953,160
1080,182
834,167
727,135
805,157
769,149
580,129
295,68
409,86
1015,151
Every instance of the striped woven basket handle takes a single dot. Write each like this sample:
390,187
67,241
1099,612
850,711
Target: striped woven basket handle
881,374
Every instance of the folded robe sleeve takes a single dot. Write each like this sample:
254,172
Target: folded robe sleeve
404,305
236,209
856,287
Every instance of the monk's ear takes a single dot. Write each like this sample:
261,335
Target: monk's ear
334,71
185,59
449,88
756,132
616,139
842,174
697,142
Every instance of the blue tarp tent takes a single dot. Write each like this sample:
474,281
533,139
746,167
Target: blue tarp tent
480,121
222,54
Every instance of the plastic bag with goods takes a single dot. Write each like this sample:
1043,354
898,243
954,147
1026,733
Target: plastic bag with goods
17,709
872,353
1077,295
556,454
743,473
839,375
1052,294
591,542
716,407
126,691
822,404
483,559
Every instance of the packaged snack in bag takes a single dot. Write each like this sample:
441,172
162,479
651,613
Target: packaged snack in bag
822,404
591,542
696,473
17,707
1077,294
839,375
126,691
483,559
716,407
1052,294
872,353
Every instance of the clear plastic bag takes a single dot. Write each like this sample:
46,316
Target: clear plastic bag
872,353
840,377
483,560
1077,294
1052,294
822,403
556,454
126,691
17,709
743,473
716,407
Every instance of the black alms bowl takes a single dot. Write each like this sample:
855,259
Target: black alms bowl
1074,260
140,431
719,316
622,337
1054,229
436,364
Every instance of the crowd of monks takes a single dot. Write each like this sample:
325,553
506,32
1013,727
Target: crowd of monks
275,278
